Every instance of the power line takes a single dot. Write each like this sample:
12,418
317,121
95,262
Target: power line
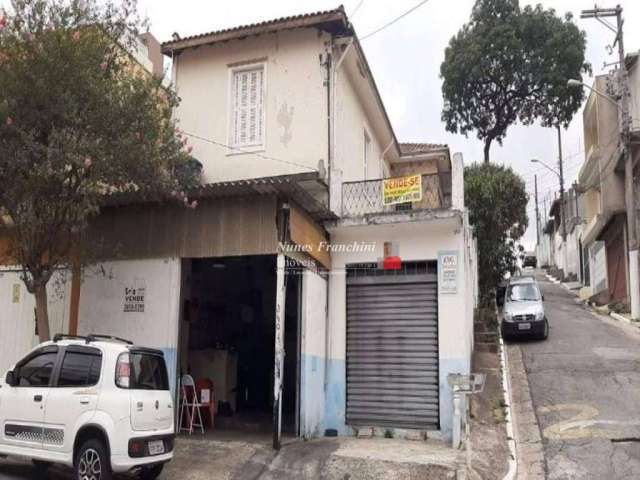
388,24
241,150
355,10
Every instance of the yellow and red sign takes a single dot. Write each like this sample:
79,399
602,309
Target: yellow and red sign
402,189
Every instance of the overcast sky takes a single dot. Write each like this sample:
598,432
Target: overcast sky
405,59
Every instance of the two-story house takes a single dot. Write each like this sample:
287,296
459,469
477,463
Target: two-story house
327,277
601,180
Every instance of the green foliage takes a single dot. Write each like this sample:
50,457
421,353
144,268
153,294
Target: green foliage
511,64
80,122
497,201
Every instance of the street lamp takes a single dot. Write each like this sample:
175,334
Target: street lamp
535,160
573,83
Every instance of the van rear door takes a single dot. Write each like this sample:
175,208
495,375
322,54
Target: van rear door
151,402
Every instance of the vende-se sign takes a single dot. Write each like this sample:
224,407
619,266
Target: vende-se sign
402,190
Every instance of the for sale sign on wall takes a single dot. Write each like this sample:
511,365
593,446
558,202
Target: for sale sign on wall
402,190
134,297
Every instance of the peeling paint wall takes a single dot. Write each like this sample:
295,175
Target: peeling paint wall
17,314
295,103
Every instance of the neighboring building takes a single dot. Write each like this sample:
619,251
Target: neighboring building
295,144
601,179
17,307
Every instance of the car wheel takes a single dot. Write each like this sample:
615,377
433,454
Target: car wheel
151,473
92,461
545,333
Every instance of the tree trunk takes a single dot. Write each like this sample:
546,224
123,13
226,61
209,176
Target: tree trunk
42,312
487,147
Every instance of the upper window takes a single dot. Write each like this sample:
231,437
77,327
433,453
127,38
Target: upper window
247,106
36,372
80,369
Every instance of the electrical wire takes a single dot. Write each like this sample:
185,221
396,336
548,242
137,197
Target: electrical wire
355,10
388,24
241,150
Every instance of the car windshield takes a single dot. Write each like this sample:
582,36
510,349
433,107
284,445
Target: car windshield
525,292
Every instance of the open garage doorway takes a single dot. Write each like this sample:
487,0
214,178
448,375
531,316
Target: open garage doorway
227,336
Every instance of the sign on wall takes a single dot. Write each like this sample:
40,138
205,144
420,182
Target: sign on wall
134,297
448,271
402,189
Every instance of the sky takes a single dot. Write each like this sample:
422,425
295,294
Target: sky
405,59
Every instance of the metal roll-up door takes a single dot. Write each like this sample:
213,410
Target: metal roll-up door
392,350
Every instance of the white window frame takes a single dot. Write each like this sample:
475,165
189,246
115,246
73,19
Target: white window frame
239,149
366,153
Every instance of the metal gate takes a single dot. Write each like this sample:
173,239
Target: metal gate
392,347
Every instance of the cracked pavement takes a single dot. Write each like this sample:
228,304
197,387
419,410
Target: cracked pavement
585,387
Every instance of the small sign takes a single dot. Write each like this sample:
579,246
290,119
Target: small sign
15,293
134,298
448,272
205,395
402,189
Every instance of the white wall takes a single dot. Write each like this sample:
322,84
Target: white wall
102,303
296,104
313,353
415,241
17,314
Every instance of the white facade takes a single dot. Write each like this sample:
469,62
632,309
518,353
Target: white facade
137,300
17,314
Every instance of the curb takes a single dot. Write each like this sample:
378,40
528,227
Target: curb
506,384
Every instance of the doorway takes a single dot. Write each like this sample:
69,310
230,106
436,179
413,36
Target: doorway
227,336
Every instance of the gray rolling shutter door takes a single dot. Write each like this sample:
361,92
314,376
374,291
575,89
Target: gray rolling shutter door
392,351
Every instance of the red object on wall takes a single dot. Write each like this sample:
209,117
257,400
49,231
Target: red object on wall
392,263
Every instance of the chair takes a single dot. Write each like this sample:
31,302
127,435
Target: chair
190,404
209,406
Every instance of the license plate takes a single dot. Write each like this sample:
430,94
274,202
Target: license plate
156,447
524,326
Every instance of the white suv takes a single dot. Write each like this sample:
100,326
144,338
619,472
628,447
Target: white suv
98,404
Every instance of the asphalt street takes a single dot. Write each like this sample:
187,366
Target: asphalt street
585,388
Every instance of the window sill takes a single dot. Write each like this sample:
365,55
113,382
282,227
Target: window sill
233,151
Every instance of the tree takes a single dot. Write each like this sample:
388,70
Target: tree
497,200
80,122
510,64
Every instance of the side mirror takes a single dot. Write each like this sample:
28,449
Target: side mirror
10,379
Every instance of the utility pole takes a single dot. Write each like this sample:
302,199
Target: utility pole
563,216
535,180
625,143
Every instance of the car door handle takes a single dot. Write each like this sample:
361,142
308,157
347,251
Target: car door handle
84,401
37,398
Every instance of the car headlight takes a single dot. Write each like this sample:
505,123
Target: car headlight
540,316
508,317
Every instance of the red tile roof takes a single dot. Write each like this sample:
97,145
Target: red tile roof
418,148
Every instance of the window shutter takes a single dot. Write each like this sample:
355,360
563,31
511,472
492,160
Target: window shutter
248,108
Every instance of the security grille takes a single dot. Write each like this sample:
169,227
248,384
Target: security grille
392,348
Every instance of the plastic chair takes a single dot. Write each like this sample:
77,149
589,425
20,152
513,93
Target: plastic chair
190,404
209,406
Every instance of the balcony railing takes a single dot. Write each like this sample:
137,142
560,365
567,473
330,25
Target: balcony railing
366,197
